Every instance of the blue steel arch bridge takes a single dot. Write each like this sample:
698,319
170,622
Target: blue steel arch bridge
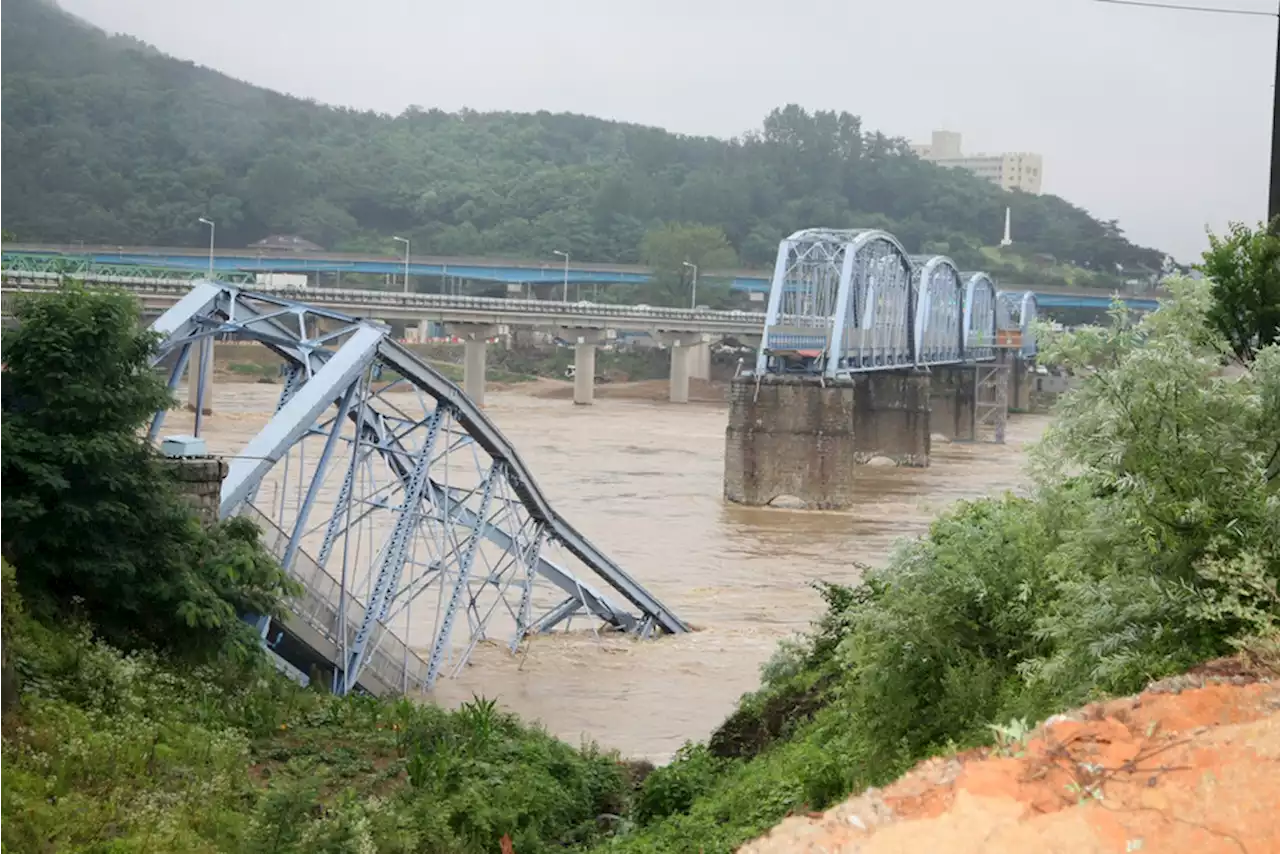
852,301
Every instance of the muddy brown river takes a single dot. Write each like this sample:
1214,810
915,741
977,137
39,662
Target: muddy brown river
643,481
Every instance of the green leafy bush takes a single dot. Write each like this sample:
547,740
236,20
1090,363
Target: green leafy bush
138,752
91,516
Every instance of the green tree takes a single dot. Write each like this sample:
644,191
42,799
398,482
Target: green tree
91,519
12,611
670,248
1245,269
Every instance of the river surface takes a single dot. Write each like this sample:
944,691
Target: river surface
643,480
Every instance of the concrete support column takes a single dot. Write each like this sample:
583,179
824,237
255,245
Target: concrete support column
201,356
585,342
474,351
700,361
424,330
680,358
474,339
584,373
951,402
1021,379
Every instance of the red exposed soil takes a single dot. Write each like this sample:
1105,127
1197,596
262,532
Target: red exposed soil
1190,765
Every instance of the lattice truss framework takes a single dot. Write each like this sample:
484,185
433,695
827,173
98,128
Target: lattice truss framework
857,298
410,519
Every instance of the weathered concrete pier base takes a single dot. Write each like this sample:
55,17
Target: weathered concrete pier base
805,438
952,404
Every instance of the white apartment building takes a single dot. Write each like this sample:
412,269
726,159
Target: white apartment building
1012,170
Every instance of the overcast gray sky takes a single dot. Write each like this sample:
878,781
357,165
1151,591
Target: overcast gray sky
1160,119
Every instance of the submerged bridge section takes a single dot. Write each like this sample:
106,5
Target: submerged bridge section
415,527
866,352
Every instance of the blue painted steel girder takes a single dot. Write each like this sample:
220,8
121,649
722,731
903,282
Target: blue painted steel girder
515,274
979,324
939,295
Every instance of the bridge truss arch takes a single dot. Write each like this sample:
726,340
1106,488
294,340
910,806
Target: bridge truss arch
939,294
979,317
410,519
843,299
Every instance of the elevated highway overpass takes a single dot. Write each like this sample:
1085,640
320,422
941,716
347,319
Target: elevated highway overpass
228,264
688,332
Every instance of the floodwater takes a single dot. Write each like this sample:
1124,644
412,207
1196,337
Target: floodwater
643,480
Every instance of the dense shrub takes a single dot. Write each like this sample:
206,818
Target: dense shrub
91,517
109,751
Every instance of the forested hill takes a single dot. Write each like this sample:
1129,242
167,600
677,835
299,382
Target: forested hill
108,141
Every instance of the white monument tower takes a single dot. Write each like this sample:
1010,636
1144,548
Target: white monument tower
1007,240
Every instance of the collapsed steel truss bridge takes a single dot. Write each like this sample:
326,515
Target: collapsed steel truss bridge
413,524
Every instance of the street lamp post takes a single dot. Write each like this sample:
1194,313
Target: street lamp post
565,255
693,299
405,241
209,223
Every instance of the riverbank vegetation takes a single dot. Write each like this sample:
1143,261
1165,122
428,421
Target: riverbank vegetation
1149,542
109,141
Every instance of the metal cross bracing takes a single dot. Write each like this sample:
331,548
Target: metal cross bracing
848,301
415,527
990,401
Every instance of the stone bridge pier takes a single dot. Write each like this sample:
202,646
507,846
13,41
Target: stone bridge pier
806,437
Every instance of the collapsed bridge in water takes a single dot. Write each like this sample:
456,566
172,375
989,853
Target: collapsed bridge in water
411,522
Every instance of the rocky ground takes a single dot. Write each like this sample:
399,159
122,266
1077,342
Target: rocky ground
1190,765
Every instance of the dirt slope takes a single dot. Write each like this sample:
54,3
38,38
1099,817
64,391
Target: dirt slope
1190,765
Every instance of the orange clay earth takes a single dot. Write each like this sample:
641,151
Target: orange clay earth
1191,765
